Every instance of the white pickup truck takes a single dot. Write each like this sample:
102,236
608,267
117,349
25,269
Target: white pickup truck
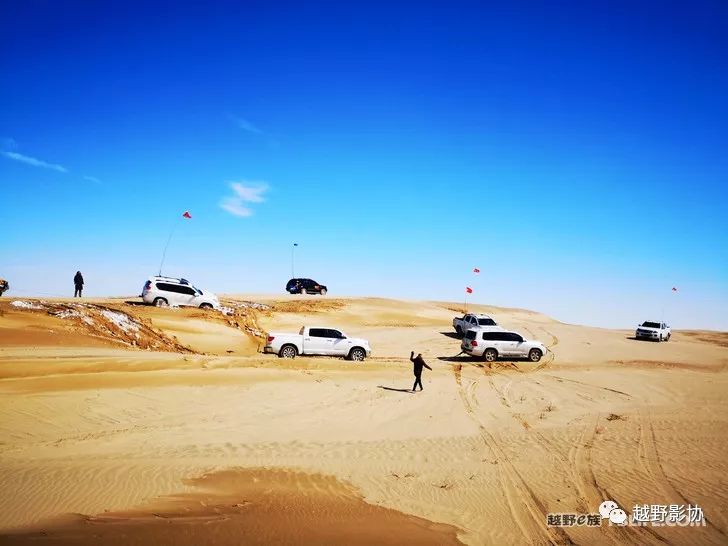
472,322
658,331
317,341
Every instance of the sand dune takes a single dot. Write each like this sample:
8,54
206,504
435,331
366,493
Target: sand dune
93,424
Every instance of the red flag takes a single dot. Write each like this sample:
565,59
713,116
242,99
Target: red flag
476,270
187,214
468,290
674,289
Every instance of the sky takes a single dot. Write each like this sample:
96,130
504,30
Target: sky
574,152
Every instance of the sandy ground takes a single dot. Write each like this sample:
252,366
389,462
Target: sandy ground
168,427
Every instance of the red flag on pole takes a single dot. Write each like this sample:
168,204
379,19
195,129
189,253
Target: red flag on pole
476,270
468,290
187,214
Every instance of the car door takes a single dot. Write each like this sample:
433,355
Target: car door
520,348
186,295
315,343
507,343
340,344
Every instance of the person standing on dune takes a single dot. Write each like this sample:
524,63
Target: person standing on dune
419,363
78,283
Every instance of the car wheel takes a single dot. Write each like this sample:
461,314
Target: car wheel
459,331
160,302
534,355
288,351
323,291
358,354
205,306
491,355
668,337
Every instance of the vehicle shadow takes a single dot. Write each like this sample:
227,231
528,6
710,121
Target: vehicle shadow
409,391
134,302
457,358
453,335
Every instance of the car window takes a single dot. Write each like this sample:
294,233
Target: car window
470,334
335,334
318,332
486,322
515,337
169,287
651,324
489,336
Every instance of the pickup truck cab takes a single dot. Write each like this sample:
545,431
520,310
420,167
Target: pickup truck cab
317,341
492,344
658,331
472,321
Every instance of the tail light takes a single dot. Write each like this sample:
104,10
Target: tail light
473,343
271,338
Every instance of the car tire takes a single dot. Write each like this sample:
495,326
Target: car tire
534,355
668,337
459,331
323,292
160,302
288,351
357,354
490,355
205,306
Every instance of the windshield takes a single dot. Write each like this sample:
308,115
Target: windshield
486,322
470,334
651,324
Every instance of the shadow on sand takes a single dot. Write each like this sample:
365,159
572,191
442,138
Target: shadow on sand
409,391
452,335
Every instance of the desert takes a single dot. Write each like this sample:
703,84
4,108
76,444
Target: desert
131,424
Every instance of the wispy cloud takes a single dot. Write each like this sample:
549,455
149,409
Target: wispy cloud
34,162
245,125
92,179
244,193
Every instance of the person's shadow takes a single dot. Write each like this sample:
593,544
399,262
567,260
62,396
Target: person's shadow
393,389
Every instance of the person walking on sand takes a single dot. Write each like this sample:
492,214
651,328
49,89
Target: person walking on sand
419,363
78,283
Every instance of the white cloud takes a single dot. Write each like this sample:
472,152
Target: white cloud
245,125
244,193
92,179
34,162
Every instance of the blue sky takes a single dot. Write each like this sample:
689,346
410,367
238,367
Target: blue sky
575,152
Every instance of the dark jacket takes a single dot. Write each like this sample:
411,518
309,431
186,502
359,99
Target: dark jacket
78,279
419,363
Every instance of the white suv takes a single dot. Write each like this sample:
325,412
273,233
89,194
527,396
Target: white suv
163,291
657,331
492,344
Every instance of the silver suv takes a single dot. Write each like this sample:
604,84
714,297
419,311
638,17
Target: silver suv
492,344
164,291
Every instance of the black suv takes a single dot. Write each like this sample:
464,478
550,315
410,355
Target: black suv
308,286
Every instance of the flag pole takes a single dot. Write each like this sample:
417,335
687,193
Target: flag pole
186,214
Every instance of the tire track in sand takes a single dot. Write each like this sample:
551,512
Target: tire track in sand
650,459
525,508
577,466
